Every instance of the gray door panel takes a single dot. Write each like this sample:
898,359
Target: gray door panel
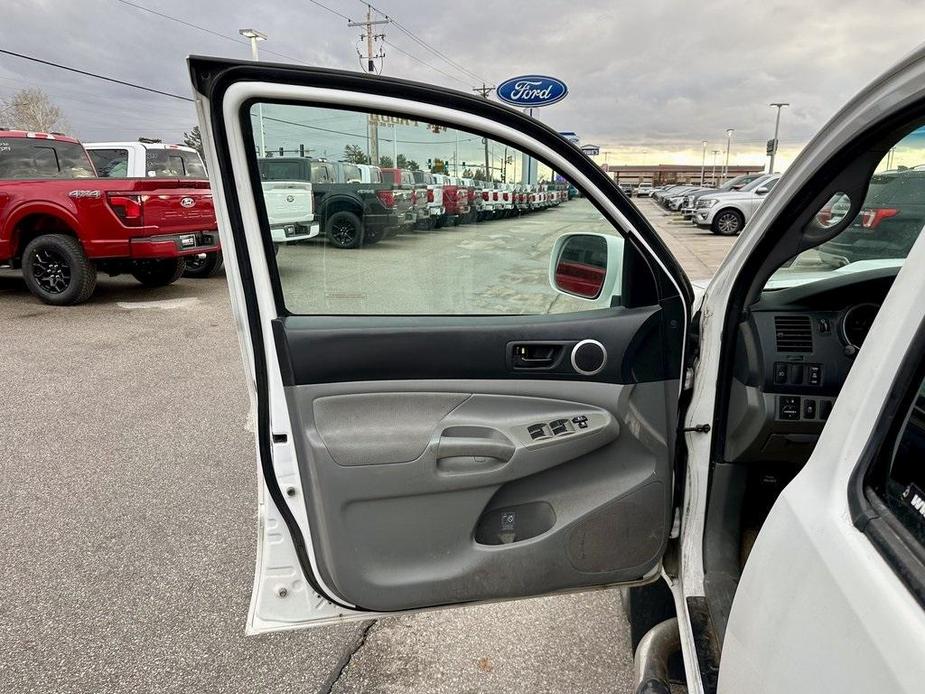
432,492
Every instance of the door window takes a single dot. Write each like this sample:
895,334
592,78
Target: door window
110,163
378,253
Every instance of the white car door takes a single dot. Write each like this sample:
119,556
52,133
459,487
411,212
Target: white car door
444,428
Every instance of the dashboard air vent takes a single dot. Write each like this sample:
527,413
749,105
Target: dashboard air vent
794,333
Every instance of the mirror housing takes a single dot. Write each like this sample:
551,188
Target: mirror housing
762,191
588,267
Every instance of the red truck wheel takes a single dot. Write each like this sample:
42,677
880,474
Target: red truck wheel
57,271
203,265
158,273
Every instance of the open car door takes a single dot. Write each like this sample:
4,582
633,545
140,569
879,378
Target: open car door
435,423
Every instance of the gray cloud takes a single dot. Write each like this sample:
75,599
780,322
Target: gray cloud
656,75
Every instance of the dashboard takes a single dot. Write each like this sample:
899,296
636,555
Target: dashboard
794,350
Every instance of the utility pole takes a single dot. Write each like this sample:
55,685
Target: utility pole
703,162
713,175
778,106
729,132
371,58
485,90
254,36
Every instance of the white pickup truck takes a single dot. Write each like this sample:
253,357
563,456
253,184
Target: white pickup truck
290,211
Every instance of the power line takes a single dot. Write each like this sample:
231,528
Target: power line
227,37
95,76
426,45
432,67
323,6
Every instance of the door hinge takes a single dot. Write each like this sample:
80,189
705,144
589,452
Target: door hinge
688,378
700,429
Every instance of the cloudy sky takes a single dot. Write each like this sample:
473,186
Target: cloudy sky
648,81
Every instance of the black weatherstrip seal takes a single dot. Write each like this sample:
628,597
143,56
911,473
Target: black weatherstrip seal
212,77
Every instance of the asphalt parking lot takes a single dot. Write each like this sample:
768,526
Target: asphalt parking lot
129,487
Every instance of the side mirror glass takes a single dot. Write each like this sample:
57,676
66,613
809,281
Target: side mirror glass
587,266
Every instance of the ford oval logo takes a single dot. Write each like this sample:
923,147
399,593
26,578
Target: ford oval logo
531,91
187,202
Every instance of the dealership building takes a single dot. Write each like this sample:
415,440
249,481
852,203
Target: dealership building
662,174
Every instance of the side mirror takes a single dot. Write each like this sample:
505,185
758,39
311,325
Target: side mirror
587,266
762,191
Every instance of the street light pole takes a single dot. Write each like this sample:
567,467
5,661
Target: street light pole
778,106
729,132
703,162
254,37
713,174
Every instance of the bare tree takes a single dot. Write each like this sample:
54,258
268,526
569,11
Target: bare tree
32,109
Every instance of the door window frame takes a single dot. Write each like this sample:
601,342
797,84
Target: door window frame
869,512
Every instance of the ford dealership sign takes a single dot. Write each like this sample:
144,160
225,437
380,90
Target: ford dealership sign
531,91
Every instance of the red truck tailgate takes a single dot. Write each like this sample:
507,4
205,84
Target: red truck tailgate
179,210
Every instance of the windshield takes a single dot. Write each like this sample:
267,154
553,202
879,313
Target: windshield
757,183
174,163
24,158
880,235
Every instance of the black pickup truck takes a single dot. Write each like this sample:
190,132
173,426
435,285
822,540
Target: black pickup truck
352,214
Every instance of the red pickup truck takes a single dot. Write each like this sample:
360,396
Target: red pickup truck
61,224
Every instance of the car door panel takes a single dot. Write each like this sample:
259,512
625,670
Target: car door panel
425,528
395,450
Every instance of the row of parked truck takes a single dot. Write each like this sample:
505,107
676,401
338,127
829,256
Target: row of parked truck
69,211
356,205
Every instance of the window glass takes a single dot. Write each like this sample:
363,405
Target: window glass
110,163
25,158
174,163
467,245
352,173
282,170
881,234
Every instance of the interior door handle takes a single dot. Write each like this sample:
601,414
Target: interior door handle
464,446
535,355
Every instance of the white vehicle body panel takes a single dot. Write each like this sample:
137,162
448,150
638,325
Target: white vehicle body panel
841,615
